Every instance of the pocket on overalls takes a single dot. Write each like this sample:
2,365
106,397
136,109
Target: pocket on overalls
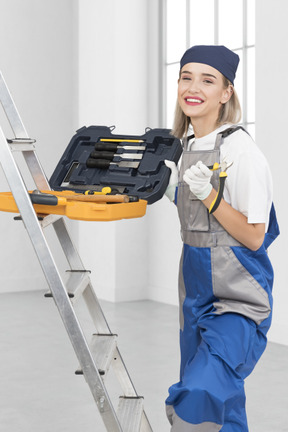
193,215
236,288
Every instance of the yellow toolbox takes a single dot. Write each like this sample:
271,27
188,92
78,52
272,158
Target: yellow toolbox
77,206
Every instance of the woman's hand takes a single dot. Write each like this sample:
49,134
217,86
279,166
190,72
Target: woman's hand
198,178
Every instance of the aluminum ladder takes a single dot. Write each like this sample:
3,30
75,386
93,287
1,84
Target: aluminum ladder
96,356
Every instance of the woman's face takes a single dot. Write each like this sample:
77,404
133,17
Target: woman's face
201,92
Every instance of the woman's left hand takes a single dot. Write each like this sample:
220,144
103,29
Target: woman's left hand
198,178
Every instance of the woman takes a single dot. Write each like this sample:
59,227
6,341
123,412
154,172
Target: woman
225,278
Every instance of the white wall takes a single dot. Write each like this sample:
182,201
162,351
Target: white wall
271,134
38,51
113,91
164,247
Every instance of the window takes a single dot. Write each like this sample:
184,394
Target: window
219,22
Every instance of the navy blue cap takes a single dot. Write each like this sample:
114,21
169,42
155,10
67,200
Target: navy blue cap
217,56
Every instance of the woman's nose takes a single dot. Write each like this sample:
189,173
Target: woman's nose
194,86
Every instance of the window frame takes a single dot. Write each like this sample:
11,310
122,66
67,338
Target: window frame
243,48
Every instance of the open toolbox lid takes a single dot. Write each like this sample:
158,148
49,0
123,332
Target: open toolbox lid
147,179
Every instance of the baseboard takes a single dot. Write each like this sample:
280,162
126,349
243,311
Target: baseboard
278,333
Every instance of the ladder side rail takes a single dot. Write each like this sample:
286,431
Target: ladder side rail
36,170
123,376
145,425
11,111
95,311
67,245
57,287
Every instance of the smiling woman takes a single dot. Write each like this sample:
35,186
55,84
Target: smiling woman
215,311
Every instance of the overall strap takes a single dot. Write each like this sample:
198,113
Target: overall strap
226,133
186,141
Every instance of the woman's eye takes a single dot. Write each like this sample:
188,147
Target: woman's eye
208,81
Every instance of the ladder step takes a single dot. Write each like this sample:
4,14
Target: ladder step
103,348
21,144
75,283
130,412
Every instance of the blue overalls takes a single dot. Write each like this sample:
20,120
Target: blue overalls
225,312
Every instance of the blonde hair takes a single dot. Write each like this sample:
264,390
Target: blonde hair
230,112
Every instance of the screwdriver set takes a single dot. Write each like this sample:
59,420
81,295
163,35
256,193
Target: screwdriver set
132,165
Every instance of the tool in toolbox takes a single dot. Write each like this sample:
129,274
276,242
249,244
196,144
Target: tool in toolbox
56,198
104,164
111,155
110,146
223,166
114,147
95,357
122,140
102,191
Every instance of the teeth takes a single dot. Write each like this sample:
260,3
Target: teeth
194,100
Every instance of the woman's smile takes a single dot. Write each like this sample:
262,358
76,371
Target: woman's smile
194,101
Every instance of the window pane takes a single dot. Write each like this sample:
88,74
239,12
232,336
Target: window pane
231,23
176,30
238,83
171,93
251,84
250,22
201,34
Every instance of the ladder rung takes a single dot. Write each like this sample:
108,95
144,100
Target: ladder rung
22,147
103,349
21,144
21,140
130,412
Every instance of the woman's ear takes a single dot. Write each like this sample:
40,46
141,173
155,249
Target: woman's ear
227,93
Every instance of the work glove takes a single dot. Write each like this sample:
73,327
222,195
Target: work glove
173,181
198,178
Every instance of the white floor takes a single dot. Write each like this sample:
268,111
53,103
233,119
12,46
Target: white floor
40,392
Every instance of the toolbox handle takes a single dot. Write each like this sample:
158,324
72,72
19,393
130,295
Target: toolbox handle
44,199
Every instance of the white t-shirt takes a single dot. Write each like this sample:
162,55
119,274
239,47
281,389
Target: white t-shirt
248,186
